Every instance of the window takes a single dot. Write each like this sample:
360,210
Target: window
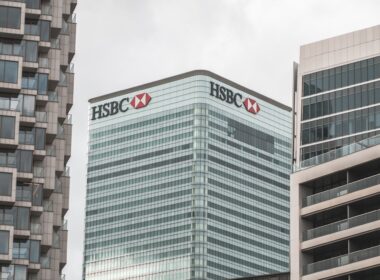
26,136
7,127
21,218
5,184
40,136
33,4
24,160
10,17
37,195
23,192
45,30
26,105
21,249
29,50
4,242
32,27
8,71
34,256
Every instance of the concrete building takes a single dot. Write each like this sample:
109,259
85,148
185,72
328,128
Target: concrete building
188,178
335,187
37,44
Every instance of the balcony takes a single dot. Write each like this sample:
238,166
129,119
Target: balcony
343,260
343,190
342,225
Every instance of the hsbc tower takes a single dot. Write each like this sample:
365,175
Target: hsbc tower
188,178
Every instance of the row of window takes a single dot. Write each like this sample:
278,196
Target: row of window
145,146
341,125
251,218
341,76
249,151
137,237
151,246
108,131
139,225
141,135
249,173
316,150
249,241
247,161
138,191
242,193
148,200
116,185
250,184
10,17
132,215
27,49
248,264
250,253
283,141
146,168
339,101
138,157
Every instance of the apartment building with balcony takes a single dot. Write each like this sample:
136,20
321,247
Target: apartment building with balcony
335,185
37,45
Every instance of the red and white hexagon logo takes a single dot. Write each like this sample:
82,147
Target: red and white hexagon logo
251,106
140,100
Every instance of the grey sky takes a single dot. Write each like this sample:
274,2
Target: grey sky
124,43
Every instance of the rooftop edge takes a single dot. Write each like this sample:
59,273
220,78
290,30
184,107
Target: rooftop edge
186,75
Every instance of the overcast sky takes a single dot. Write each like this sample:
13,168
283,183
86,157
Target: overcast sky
124,43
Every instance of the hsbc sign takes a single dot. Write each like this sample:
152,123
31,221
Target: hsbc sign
227,95
112,108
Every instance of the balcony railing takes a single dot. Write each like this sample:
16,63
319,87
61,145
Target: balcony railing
342,190
342,225
338,153
342,260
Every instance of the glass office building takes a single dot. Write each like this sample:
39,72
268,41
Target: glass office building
188,178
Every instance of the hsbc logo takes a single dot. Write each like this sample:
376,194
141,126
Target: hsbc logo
251,105
235,98
112,108
140,100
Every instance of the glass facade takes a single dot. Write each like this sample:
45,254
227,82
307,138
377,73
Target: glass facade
340,106
189,187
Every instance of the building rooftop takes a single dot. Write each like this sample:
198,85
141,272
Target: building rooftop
186,75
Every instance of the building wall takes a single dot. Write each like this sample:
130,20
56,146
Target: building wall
37,44
337,93
189,186
334,184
